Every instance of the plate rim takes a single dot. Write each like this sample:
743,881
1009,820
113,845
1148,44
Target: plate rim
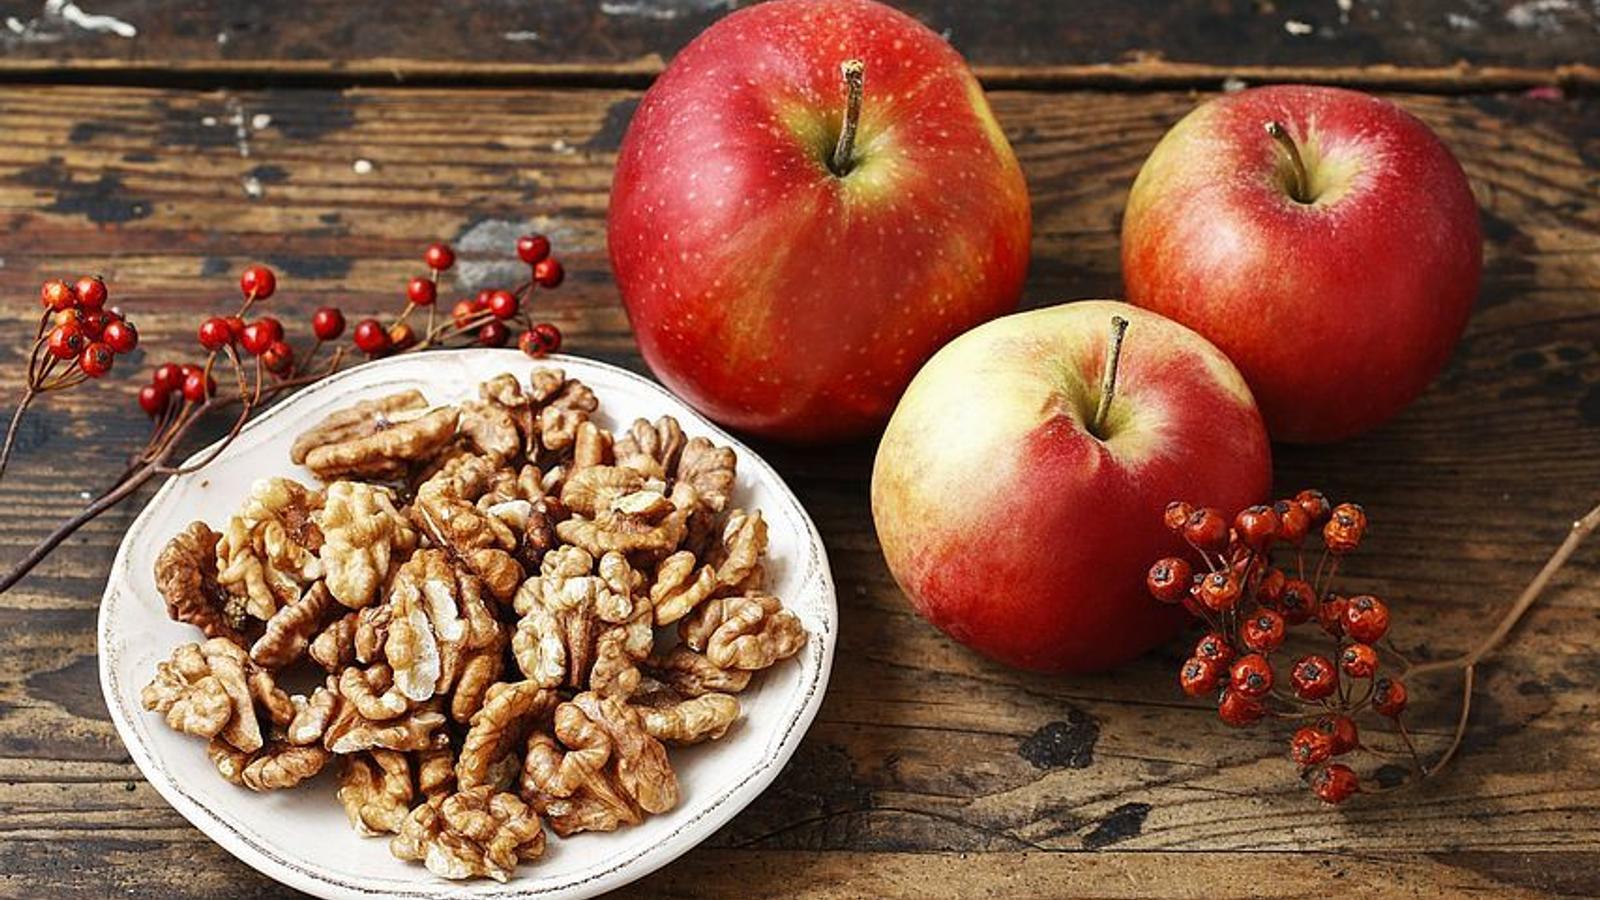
303,874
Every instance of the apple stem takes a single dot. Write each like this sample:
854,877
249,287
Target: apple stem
1300,185
854,74
1108,376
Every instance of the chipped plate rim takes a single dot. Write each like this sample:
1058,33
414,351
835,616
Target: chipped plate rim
698,819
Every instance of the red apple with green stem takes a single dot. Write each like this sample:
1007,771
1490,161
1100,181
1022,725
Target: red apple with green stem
1019,488
809,201
1325,239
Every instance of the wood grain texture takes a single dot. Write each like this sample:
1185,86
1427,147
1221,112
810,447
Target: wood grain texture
1009,39
928,771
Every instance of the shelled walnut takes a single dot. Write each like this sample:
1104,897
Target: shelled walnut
274,767
212,690
375,789
186,576
568,607
363,533
477,832
386,453
511,613
267,555
287,635
362,420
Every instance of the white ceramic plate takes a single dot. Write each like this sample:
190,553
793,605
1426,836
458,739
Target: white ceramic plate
300,837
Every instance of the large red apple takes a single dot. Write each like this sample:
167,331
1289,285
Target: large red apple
1023,527
785,284
1338,285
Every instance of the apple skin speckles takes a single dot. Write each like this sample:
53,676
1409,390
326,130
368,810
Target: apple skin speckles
1021,534
790,268
1339,311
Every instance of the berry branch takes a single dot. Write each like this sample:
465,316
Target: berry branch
1468,662
78,339
1248,604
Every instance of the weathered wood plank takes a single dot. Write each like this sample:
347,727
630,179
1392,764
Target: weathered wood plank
922,753
55,870
1013,39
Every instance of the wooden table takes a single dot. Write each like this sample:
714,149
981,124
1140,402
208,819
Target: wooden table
226,133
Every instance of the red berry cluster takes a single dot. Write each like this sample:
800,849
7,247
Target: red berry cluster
1249,606
78,329
238,337
487,318
172,385
79,337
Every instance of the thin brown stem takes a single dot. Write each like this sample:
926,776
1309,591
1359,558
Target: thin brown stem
1580,530
71,378
1299,182
1108,377
188,413
1461,724
1325,583
302,364
233,431
1316,578
1298,716
70,527
35,356
154,465
1405,735
853,71
1390,648
28,394
1468,662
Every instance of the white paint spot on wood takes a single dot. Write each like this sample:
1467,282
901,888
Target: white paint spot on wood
1297,27
662,10
241,133
58,19
73,14
28,32
521,36
1542,16
362,166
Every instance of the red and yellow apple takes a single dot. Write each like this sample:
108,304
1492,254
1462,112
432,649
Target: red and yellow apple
1338,284
786,282
1021,525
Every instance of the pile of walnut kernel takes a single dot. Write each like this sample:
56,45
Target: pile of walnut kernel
482,586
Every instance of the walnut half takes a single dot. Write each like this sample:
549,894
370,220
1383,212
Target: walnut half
186,576
211,690
473,833
387,453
